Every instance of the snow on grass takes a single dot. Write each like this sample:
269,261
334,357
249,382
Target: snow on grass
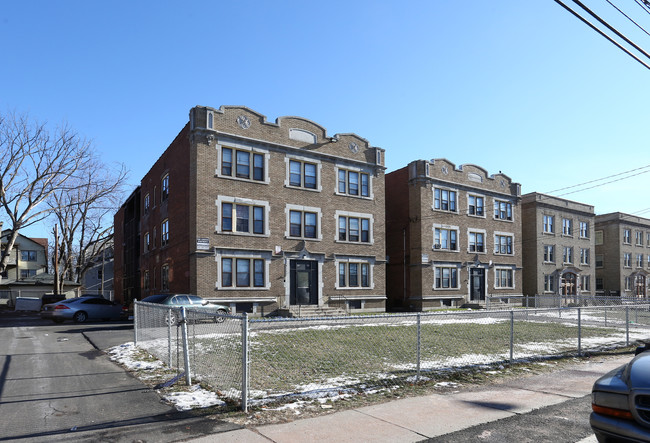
131,357
195,397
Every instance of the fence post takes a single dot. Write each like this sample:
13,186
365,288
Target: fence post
512,335
135,323
169,338
579,331
244,378
186,348
627,326
419,343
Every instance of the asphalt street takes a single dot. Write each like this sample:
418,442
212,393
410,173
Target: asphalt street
56,386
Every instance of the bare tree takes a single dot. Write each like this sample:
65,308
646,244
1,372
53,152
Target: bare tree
35,164
85,218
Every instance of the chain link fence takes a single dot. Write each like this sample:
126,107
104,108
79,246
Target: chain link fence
258,361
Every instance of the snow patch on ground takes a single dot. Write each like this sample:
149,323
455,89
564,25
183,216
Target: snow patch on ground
195,397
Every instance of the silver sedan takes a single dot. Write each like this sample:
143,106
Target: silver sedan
82,309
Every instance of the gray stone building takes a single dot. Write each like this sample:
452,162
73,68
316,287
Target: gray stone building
454,235
262,216
622,255
558,246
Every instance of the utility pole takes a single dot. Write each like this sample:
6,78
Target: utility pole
56,260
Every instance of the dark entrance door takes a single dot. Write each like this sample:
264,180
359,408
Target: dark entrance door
304,282
477,284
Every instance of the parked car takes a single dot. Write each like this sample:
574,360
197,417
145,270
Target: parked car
621,402
84,308
188,301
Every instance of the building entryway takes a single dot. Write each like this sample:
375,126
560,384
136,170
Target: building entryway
639,286
304,282
569,284
477,284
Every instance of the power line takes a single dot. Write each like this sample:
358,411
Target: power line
600,179
595,28
628,17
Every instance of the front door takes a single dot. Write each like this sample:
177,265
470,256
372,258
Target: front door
304,282
569,284
639,288
477,284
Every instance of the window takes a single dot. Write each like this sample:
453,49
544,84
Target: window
502,210
600,285
639,260
599,238
303,174
548,224
586,283
248,272
476,242
648,260
146,204
164,277
164,233
503,278
567,226
502,244
145,280
628,283
584,229
354,275
28,255
164,192
476,205
627,236
243,218
26,273
303,224
549,283
585,256
353,183
549,253
445,239
354,229
147,241
567,256
599,260
648,239
243,164
639,238
446,277
444,200
627,260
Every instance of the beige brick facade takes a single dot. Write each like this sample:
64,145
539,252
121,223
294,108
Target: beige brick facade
558,246
622,254
266,215
455,235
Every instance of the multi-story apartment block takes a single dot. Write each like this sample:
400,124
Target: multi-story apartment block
455,235
622,244
558,246
261,216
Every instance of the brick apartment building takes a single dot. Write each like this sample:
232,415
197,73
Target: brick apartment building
261,216
454,235
558,246
622,244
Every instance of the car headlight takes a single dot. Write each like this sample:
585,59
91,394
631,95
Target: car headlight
607,403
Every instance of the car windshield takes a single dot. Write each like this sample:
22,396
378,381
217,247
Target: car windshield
160,298
195,299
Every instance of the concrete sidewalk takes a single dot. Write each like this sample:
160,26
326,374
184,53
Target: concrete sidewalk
419,418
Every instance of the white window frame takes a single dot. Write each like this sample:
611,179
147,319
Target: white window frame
497,203
585,256
354,260
449,229
639,238
548,224
567,255
360,216
549,250
585,283
244,202
584,229
549,283
627,236
445,189
483,232
471,195
302,160
303,209
360,171
246,255
497,277
441,267
238,146
567,227
497,243
164,188
627,260
164,232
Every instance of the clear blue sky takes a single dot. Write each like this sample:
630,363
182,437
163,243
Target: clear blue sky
520,87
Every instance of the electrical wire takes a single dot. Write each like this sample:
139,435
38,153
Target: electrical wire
599,179
628,17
